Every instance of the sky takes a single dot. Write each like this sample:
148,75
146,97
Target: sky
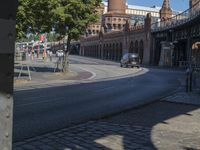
179,5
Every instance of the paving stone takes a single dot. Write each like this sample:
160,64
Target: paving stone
36,143
18,148
46,147
46,140
28,147
144,128
19,143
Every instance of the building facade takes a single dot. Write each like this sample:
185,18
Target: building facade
168,44
135,14
117,35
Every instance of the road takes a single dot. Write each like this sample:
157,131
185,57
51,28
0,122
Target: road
38,111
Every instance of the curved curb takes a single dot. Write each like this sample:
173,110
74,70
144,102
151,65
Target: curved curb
135,106
93,73
139,72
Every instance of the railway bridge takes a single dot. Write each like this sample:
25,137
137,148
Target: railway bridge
173,41
176,40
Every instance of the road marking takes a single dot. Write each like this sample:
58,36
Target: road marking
93,73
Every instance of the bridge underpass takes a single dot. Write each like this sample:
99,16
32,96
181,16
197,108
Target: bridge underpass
174,39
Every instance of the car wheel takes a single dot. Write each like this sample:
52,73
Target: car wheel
121,65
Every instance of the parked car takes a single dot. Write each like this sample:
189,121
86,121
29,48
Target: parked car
130,60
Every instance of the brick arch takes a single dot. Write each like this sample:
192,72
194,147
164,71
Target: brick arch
119,26
114,51
141,50
131,47
97,51
136,47
110,51
120,50
104,50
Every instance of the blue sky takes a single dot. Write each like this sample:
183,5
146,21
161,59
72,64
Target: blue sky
175,4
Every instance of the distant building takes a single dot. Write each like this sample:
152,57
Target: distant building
115,22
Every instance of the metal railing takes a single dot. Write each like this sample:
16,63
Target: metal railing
177,20
186,64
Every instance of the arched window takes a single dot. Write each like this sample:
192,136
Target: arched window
136,47
141,51
131,47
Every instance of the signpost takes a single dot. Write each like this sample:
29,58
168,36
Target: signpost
7,46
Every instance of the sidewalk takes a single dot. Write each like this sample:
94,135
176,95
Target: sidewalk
42,74
170,124
81,70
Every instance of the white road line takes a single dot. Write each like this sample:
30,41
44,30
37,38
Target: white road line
93,73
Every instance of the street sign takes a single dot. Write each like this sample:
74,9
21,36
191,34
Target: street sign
7,46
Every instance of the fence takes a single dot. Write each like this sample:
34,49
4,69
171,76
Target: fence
177,20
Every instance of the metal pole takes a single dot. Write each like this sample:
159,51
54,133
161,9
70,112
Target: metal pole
7,46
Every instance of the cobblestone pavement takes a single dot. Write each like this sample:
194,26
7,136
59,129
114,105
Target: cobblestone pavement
184,97
162,125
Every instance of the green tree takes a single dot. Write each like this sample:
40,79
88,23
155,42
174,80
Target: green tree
72,18
35,16
67,17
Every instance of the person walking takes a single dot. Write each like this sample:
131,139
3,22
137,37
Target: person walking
50,55
32,54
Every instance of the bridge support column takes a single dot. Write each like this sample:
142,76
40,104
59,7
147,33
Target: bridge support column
166,54
189,49
7,39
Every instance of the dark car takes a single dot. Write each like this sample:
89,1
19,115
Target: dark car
130,60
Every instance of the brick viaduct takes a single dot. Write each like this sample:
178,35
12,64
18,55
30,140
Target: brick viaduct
113,45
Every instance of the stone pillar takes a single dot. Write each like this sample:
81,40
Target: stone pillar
7,48
166,54
147,40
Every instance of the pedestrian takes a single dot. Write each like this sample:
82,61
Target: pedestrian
32,53
50,55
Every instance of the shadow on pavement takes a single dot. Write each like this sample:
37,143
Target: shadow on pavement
16,74
130,130
37,69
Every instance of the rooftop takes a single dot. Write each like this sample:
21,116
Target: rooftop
146,8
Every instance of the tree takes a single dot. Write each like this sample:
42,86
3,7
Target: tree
72,18
35,16
67,17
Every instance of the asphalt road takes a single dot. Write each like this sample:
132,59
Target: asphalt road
40,111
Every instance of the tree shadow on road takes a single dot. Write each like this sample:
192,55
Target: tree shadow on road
125,129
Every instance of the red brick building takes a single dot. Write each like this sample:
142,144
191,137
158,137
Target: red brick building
117,36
